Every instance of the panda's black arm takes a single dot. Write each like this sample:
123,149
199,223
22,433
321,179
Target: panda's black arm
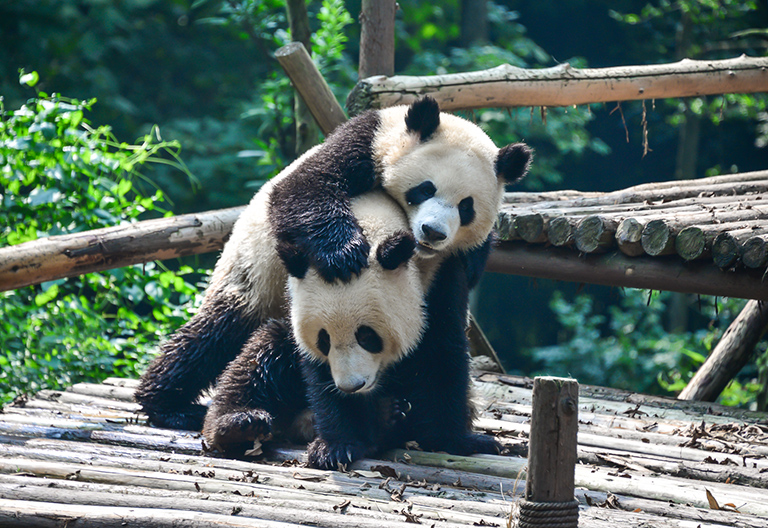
344,423
309,209
441,411
474,260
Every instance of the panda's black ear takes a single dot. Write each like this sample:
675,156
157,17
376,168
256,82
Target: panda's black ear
396,250
423,117
295,262
513,161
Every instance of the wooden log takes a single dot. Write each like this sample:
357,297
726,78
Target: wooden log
658,237
615,269
732,352
377,38
561,231
629,237
309,82
729,188
62,256
726,248
29,514
754,252
531,227
552,444
595,233
564,85
694,242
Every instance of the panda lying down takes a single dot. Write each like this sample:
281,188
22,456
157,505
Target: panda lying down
372,380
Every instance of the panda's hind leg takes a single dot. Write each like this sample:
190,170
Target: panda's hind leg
190,361
261,388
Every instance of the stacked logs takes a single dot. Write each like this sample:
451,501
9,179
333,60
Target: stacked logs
723,218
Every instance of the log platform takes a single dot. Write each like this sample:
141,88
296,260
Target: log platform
85,457
707,236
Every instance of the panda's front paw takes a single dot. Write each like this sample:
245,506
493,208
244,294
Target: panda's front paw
235,431
324,455
343,262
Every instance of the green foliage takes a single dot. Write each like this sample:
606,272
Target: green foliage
58,175
629,348
556,134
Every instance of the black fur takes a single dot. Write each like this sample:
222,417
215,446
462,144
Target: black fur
423,117
474,260
310,208
396,250
513,161
262,389
190,361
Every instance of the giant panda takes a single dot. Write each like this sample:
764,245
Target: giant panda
445,173
358,329
347,357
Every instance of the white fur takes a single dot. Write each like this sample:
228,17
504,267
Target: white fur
389,301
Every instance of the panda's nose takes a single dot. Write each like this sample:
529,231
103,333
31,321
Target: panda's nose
355,386
432,234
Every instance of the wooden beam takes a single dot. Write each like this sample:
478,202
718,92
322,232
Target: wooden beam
731,354
564,85
616,269
70,255
311,85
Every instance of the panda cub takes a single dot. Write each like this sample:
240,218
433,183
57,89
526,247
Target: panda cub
352,331
347,357
443,171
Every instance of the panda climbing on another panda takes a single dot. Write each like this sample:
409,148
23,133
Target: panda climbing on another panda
445,173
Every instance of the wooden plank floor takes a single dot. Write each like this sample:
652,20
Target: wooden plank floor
85,458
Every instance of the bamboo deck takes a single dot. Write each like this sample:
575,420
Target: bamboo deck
85,458
723,219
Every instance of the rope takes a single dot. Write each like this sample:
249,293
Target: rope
548,514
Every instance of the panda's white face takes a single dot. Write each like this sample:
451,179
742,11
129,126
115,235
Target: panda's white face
359,328
447,185
363,326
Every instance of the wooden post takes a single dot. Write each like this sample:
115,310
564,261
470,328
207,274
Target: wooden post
730,355
309,82
377,38
549,486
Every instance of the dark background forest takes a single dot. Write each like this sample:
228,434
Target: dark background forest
195,88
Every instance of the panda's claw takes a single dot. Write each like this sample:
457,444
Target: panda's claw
323,455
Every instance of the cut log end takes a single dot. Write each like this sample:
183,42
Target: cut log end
657,238
629,237
691,243
754,252
724,250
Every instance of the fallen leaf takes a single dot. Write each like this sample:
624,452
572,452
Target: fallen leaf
713,505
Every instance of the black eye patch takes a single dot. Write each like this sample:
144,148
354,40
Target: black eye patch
467,210
421,193
369,339
323,342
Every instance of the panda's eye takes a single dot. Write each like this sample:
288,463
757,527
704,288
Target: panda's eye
421,193
323,342
467,210
369,339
